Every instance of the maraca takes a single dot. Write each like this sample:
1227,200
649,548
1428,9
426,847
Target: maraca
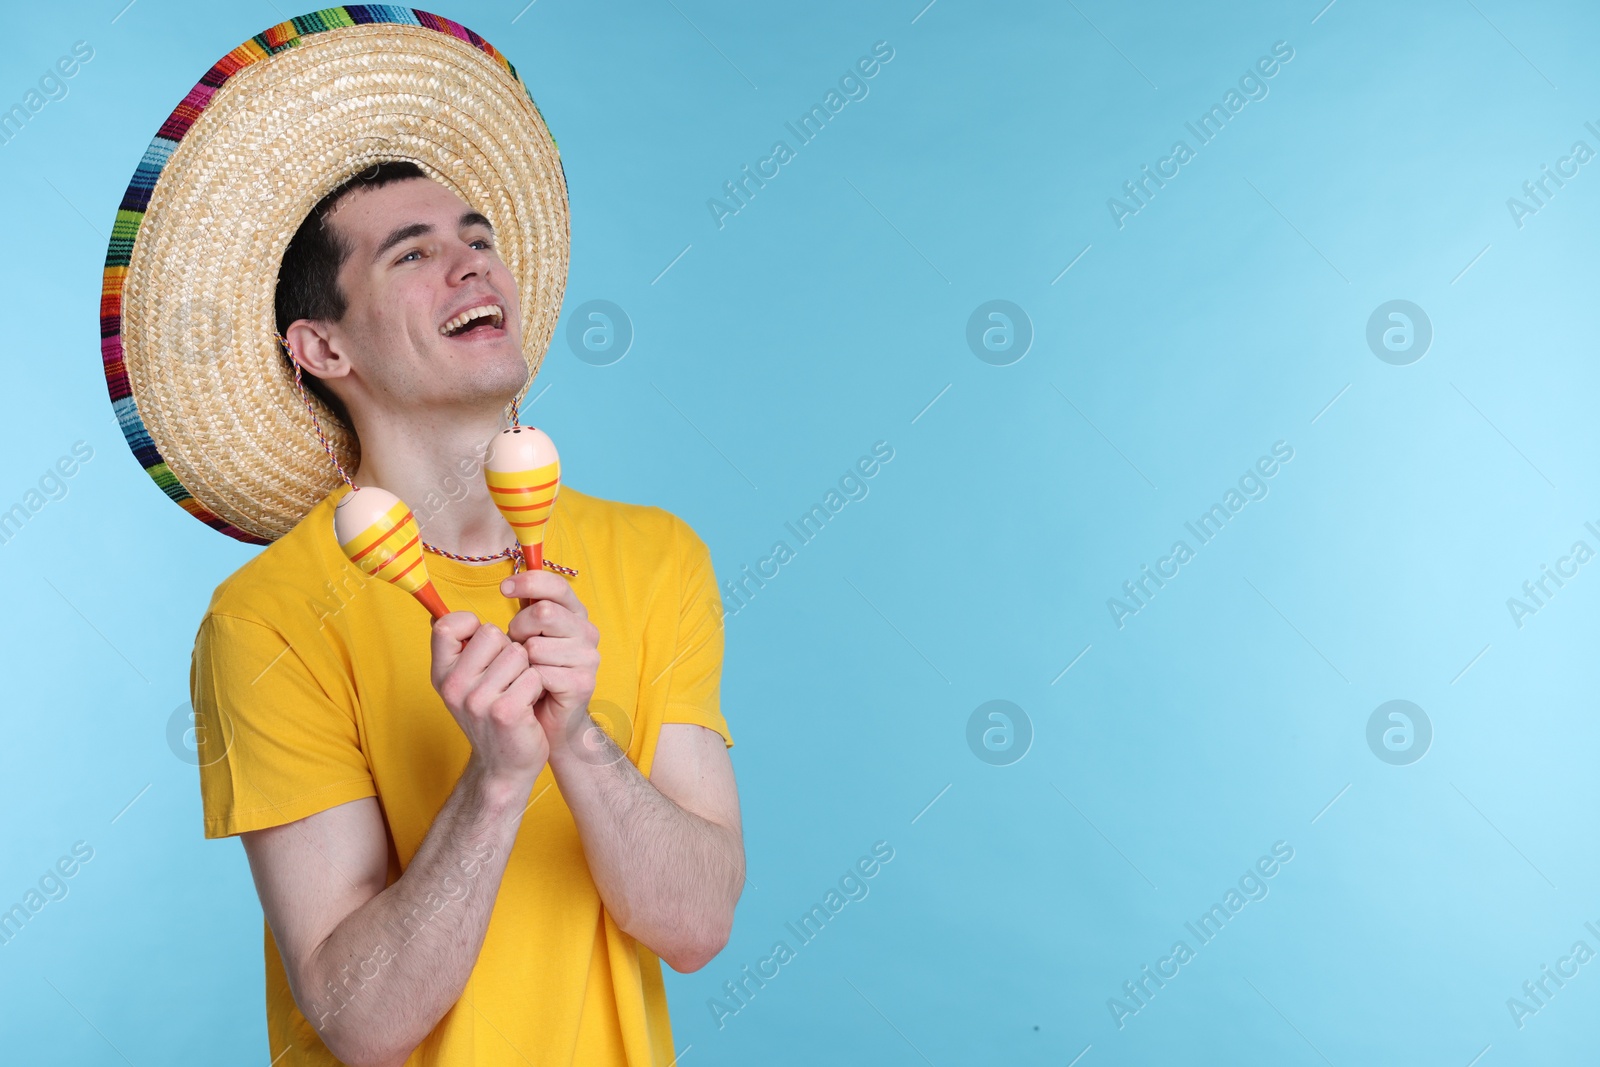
524,475
379,534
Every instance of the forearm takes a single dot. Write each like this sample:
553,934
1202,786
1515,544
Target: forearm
668,877
389,971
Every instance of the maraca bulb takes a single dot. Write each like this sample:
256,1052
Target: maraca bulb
523,472
379,534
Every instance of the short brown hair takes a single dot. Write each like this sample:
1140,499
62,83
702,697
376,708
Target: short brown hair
308,278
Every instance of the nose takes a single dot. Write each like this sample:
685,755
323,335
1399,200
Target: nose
470,262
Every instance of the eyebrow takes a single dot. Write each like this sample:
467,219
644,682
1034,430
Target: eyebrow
418,229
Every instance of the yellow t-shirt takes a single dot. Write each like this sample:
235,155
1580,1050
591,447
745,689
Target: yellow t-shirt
310,683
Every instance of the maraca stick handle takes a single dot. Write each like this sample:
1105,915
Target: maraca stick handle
432,601
533,561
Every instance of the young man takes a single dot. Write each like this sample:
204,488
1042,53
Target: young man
455,863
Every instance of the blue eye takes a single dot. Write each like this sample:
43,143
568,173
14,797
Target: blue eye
408,255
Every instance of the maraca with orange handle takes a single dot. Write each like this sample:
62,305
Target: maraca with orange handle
524,475
378,532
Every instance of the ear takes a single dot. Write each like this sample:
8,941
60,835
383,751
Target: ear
316,351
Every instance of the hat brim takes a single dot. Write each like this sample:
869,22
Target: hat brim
201,389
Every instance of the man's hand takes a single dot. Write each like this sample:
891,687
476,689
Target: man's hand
561,643
486,682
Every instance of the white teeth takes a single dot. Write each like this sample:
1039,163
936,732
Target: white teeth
491,310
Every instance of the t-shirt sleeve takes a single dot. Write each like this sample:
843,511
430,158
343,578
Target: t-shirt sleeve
275,743
695,682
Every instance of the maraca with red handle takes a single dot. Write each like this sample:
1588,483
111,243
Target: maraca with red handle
523,472
378,532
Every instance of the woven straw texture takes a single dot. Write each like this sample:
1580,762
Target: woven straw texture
203,392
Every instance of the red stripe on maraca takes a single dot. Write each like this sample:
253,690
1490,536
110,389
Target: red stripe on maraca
380,541
408,570
407,517
522,489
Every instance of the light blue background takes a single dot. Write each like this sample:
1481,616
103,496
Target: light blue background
1223,317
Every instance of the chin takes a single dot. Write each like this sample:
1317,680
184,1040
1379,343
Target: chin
491,369
487,355
504,378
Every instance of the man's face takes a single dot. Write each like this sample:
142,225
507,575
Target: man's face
420,258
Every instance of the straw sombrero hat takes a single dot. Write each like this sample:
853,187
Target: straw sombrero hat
204,395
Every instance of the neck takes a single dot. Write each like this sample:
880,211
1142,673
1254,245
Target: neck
436,467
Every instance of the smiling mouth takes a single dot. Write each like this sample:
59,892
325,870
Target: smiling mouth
482,321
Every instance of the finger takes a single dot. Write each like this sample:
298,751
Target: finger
457,626
481,650
561,652
543,585
545,617
527,688
450,634
507,666
566,682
